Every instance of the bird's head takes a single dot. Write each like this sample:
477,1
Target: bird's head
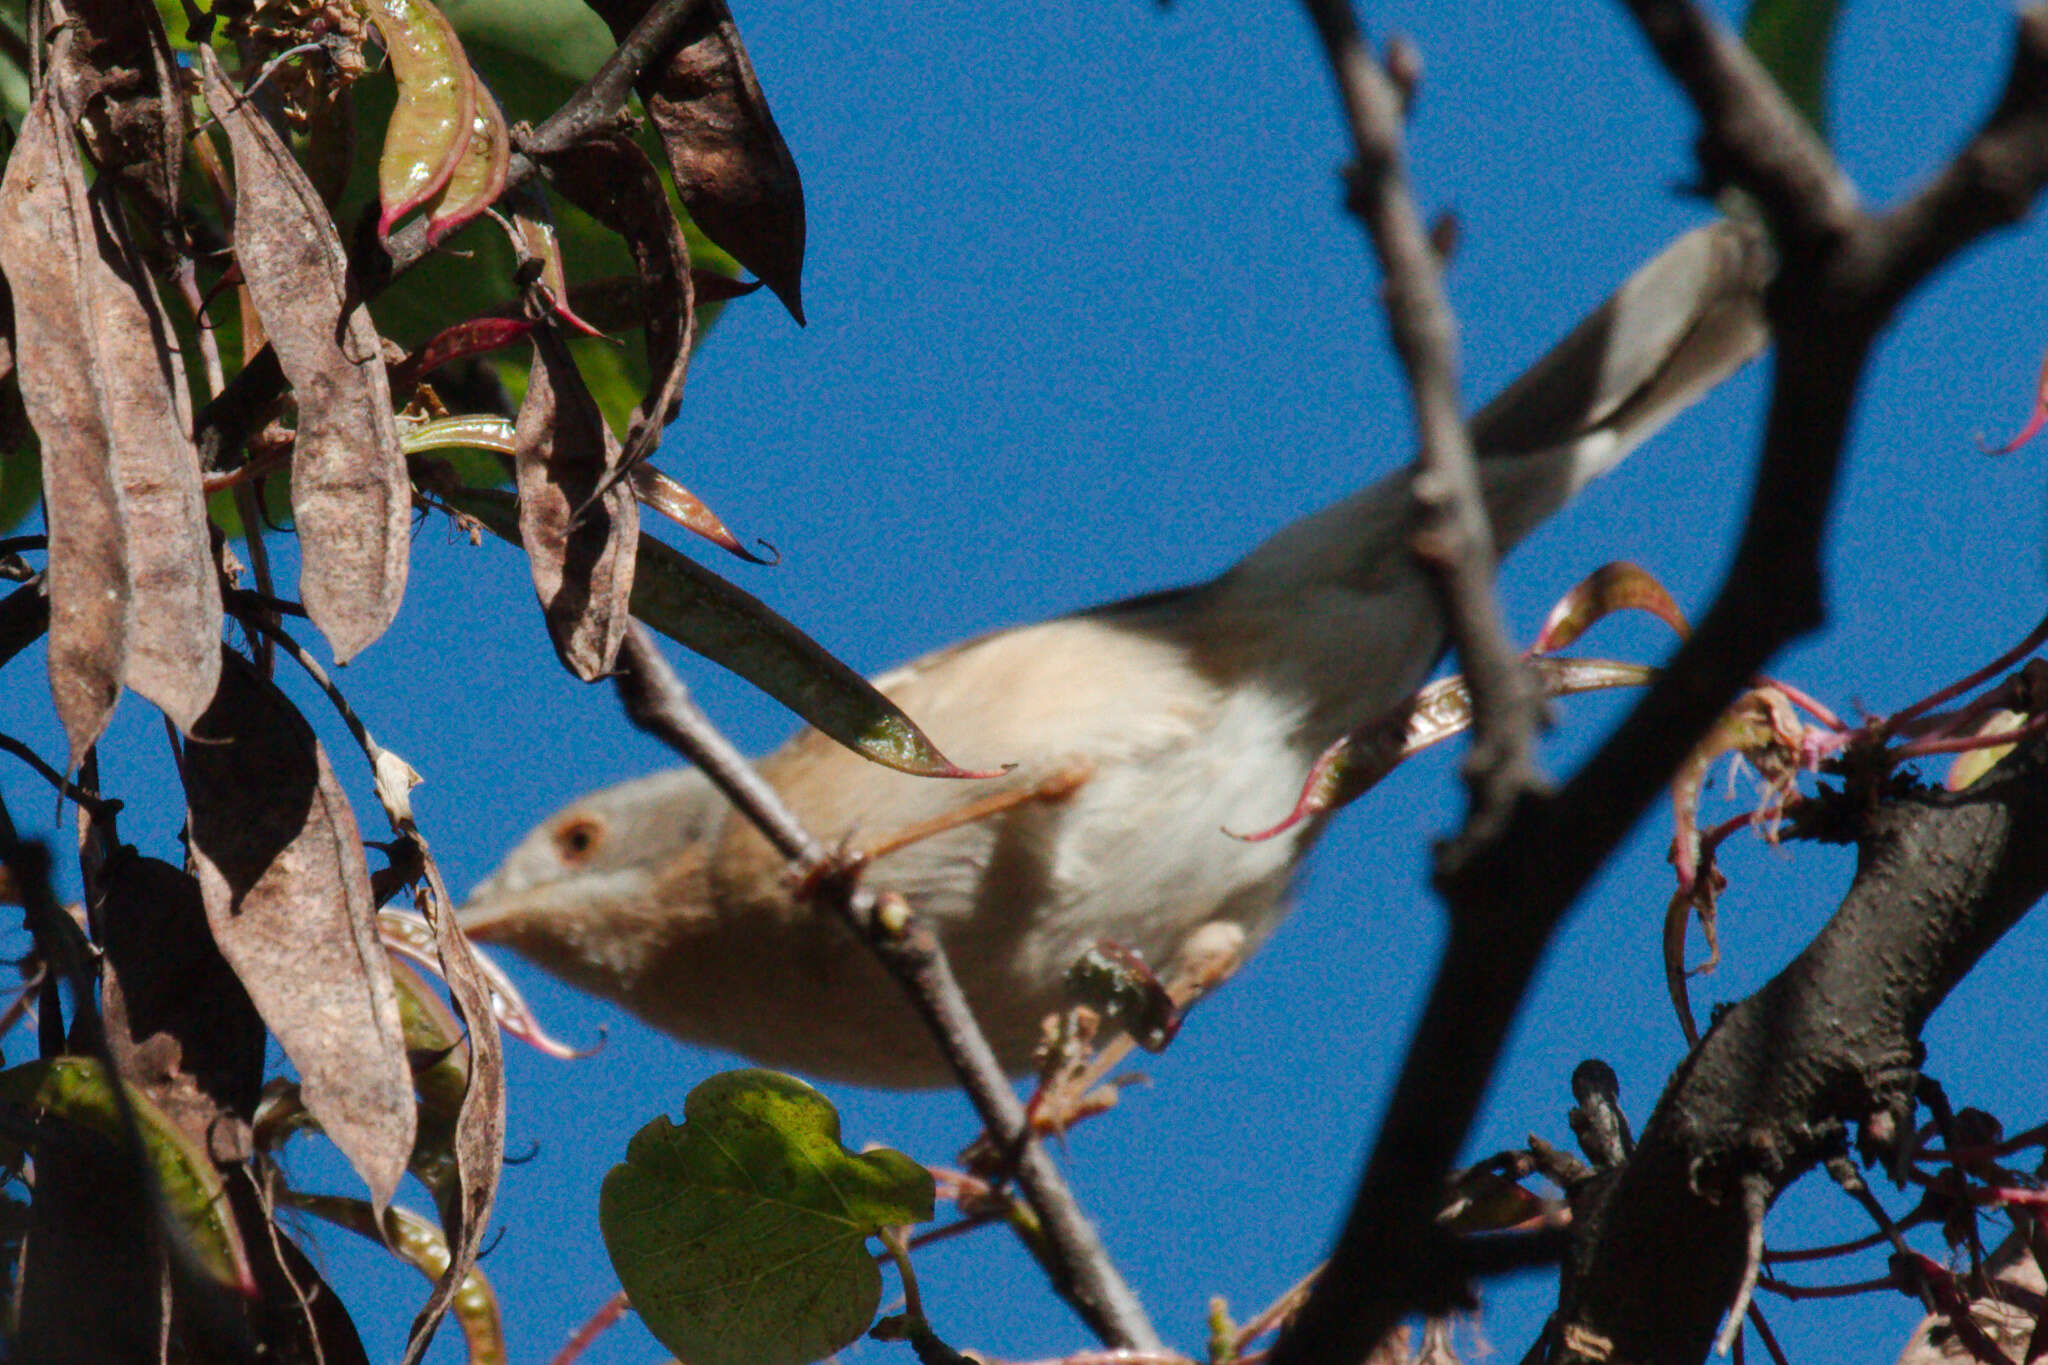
604,882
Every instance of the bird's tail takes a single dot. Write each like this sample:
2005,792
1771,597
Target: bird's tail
1681,324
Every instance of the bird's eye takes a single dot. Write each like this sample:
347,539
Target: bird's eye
577,838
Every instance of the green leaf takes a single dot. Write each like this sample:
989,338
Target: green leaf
21,485
735,630
419,1244
740,1236
1791,38
75,1090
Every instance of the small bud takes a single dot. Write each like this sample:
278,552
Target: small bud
1404,69
892,914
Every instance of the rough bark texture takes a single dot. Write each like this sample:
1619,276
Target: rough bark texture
1832,1040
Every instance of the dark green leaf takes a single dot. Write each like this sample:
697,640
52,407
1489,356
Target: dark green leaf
1791,38
75,1089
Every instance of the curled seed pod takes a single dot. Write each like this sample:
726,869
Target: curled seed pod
479,175
435,116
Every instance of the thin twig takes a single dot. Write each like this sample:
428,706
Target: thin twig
656,700
1453,539
597,106
79,796
1969,682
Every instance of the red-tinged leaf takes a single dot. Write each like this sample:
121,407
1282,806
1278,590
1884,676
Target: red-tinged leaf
612,180
732,169
2035,419
46,240
618,304
287,892
1610,588
435,116
736,630
1972,764
479,175
410,937
658,491
119,74
478,336
350,495
1355,763
581,551
540,251
655,490
539,245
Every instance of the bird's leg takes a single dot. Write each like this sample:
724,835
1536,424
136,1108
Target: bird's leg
845,864
1057,787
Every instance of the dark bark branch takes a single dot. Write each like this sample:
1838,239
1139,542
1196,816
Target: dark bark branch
656,701
1842,275
1452,538
596,107
1831,1041
1750,135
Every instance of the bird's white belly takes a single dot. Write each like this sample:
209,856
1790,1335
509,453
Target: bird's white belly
1142,855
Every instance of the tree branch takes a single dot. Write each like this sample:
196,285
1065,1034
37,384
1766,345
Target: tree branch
656,701
1452,538
1833,1039
1842,274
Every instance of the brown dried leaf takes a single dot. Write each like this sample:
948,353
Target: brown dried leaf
582,566
732,169
172,651
45,236
122,78
287,892
611,180
1356,762
174,608
350,494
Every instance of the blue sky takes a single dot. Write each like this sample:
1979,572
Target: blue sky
1087,319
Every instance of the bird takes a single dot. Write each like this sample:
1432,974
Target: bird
1132,738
